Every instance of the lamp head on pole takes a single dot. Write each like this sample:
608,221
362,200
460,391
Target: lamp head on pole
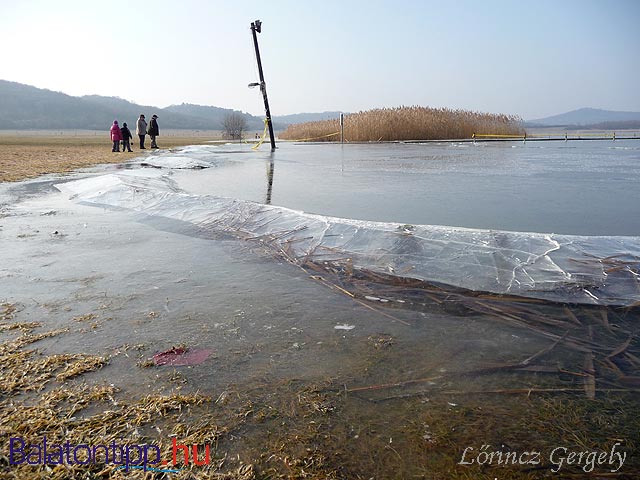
258,26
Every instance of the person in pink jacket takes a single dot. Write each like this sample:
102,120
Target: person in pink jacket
116,136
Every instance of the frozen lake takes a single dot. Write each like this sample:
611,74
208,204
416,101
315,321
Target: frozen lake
578,188
336,334
404,210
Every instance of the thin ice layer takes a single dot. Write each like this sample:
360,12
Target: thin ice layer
565,268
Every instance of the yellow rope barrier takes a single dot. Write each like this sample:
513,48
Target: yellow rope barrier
264,135
571,136
475,135
568,136
313,138
578,135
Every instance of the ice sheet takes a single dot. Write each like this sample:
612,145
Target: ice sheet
186,158
564,268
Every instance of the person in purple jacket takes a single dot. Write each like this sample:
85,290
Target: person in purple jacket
116,136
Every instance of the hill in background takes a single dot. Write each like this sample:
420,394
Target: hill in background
590,117
307,117
23,107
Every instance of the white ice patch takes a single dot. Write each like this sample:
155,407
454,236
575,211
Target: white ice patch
344,327
176,162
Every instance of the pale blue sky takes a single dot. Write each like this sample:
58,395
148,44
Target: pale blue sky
533,59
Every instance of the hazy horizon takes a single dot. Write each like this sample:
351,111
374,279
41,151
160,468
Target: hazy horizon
496,56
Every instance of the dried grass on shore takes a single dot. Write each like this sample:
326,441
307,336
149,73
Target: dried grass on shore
85,414
407,123
28,155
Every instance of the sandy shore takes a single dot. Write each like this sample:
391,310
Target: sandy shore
31,154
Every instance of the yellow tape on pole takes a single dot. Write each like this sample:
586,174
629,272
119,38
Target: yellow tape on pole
264,135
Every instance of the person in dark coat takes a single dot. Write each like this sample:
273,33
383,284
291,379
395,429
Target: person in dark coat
153,130
126,137
141,130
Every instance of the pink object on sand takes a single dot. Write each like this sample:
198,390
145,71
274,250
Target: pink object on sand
181,356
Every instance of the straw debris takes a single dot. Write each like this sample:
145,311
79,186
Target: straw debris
7,310
93,414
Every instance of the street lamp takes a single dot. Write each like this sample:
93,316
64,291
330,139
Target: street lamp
256,27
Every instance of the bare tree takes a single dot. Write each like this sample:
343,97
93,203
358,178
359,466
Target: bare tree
234,124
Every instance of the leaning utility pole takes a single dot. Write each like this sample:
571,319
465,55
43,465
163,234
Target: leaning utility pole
256,27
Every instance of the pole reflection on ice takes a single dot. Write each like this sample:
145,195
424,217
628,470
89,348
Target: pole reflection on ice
270,170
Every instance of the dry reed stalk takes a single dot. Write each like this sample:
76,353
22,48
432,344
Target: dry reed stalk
572,316
605,318
384,386
507,299
633,359
590,378
621,348
384,314
544,351
630,380
532,390
607,363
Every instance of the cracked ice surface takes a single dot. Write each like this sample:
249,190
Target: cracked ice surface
566,268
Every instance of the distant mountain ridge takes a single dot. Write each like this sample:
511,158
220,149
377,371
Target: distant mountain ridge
26,107
307,117
23,107
585,117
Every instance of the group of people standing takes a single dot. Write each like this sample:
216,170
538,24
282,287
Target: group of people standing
123,134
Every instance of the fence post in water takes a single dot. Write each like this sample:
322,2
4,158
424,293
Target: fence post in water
342,128
257,27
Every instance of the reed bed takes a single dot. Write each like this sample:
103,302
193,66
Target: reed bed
406,123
